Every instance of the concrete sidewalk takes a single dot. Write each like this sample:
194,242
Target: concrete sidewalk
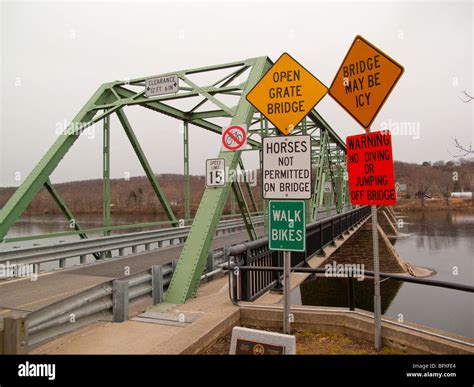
211,310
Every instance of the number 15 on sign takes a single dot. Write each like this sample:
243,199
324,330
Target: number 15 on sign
215,172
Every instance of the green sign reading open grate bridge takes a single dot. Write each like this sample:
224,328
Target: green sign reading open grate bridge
287,229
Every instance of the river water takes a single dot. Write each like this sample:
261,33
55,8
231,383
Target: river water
440,240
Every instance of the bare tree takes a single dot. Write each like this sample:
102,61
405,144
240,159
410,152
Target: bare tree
463,150
445,185
423,181
466,97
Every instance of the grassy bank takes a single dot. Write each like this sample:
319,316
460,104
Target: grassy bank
435,204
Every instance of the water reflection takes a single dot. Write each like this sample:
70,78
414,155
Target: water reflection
432,225
324,291
43,224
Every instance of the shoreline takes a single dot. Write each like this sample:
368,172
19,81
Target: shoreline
406,205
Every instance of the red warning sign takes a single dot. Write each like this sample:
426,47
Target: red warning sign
370,168
234,138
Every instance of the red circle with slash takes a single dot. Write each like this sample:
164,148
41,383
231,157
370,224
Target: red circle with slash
238,139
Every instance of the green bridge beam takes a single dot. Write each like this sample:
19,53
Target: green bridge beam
25,193
192,260
146,166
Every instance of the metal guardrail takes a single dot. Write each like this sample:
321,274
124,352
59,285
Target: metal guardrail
108,301
120,227
62,251
257,253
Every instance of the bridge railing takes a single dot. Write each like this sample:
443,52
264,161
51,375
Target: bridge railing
253,284
149,239
109,301
113,300
121,227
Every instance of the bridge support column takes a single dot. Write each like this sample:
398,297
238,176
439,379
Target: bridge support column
193,257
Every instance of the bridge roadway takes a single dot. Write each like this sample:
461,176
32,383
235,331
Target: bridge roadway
27,295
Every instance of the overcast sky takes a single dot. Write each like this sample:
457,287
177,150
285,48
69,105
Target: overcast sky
54,56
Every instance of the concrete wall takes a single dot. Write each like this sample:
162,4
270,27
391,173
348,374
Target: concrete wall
356,324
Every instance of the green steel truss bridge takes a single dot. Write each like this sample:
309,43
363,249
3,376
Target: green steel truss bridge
221,102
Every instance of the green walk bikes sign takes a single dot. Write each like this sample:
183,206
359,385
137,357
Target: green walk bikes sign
287,228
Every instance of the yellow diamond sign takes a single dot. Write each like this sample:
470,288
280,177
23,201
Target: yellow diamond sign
286,93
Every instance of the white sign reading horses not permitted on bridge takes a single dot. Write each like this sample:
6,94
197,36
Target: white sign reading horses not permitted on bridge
287,167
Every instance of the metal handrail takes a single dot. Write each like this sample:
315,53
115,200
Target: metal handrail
351,293
318,235
397,277
242,247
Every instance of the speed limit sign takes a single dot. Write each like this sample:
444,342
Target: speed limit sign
215,173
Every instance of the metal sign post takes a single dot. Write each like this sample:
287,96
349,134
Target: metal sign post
362,84
380,191
287,232
286,292
377,299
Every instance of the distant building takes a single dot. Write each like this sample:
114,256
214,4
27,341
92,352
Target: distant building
464,195
401,189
